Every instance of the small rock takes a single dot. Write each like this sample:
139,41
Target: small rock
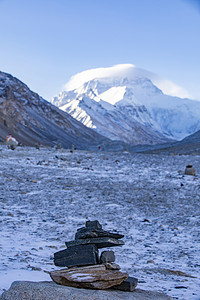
58,146
12,147
112,266
52,247
35,268
10,215
93,224
107,256
146,220
150,261
128,285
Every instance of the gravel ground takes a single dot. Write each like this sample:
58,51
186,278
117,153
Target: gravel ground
46,194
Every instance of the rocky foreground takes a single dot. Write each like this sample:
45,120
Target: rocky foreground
46,193
51,291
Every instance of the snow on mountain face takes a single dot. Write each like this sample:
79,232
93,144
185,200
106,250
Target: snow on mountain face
129,71
127,103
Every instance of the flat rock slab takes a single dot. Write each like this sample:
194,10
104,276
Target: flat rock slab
99,242
93,229
48,290
84,233
93,277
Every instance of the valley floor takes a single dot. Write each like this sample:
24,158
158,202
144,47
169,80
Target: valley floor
46,194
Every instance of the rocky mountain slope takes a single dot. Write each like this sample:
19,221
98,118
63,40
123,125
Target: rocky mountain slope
189,145
125,103
31,119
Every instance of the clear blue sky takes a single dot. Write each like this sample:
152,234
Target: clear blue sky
45,42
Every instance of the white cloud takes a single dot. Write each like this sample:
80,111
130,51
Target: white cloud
129,71
85,76
170,88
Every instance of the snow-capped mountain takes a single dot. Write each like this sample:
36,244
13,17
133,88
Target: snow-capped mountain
31,119
129,104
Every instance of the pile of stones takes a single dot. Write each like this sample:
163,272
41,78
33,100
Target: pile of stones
85,268
189,170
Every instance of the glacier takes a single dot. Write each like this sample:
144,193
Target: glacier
130,104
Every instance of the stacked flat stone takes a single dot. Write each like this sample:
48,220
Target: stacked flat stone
85,268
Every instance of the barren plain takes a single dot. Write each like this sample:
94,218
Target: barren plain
46,194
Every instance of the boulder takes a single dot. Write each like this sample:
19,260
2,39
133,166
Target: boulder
46,290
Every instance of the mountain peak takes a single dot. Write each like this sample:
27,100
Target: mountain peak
127,103
122,72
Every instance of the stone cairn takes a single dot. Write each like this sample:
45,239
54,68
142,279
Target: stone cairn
85,269
189,170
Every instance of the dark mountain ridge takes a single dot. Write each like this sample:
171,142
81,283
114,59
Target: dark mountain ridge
31,119
189,145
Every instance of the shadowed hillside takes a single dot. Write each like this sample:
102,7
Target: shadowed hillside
31,119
